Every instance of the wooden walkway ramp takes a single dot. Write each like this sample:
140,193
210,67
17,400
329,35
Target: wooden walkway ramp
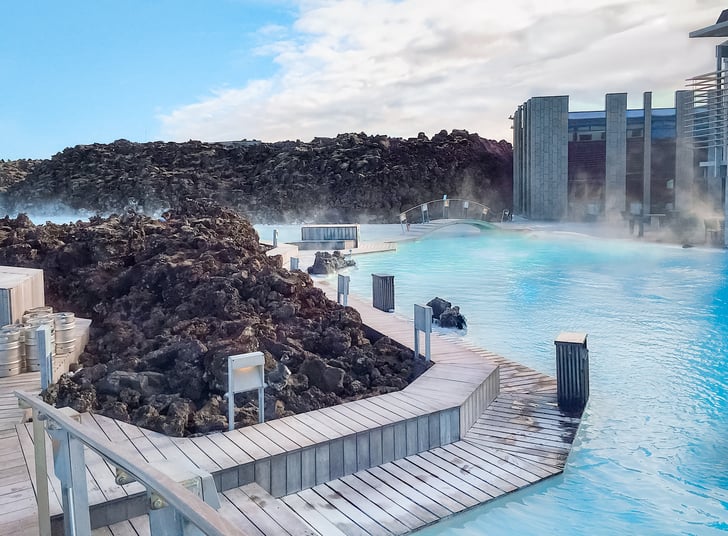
474,427
520,439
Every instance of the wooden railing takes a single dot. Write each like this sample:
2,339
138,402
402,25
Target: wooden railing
173,509
462,209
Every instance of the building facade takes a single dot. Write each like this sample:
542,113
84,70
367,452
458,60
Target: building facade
618,162
601,164
708,118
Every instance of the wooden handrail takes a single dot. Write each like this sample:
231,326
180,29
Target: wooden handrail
198,512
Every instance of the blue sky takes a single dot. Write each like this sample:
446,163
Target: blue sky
75,72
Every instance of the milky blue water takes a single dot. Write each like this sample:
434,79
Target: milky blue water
651,455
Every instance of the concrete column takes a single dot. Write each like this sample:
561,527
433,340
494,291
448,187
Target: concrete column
684,159
547,172
517,160
528,148
715,154
647,155
616,156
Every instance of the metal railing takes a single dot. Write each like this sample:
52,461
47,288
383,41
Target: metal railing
179,510
445,209
707,121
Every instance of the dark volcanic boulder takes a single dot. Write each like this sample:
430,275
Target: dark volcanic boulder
352,177
439,306
329,263
451,318
172,298
447,315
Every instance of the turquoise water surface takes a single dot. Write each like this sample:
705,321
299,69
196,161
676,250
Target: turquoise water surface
651,456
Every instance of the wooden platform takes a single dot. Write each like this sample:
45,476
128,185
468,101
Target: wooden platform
386,464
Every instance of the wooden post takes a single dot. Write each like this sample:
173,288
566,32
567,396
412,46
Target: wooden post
423,322
342,290
572,371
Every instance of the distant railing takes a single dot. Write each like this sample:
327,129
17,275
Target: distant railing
445,209
173,509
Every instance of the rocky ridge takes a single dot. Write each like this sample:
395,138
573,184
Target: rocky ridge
171,298
352,177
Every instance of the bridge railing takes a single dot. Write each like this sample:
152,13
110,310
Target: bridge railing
173,509
463,209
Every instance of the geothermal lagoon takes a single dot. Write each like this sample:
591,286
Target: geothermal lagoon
650,456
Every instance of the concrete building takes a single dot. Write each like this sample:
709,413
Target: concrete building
617,162
601,164
708,115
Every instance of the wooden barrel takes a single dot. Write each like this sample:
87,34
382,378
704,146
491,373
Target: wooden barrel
65,332
11,361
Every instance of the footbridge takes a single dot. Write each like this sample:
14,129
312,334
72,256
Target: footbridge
434,215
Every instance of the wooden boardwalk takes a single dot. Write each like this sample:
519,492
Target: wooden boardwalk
520,439
383,465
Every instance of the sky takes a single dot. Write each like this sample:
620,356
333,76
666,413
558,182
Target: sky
93,71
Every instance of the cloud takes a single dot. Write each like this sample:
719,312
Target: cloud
400,67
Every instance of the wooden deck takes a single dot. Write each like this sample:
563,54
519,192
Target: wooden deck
387,464
520,439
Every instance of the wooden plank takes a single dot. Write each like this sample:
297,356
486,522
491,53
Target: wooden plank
533,433
294,472
368,508
103,473
551,461
195,454
295,429
395,405
462,447
110,428
344,419
280,439
442,481
141,525
523,439
516,467
330,512
124,528
311,516
259,517
231,512
265,443
277,510
469,473
372,412
219,456
410,490
389,500
238,455
308,468
357,517
248,446
311,424
104,477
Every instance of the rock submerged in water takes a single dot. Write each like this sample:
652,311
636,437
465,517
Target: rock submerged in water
447,315
170,299
329,263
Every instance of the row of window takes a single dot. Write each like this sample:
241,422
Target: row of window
578,135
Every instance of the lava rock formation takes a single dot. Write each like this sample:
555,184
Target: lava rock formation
352,177
171,298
